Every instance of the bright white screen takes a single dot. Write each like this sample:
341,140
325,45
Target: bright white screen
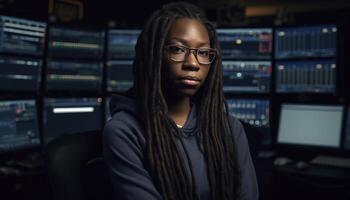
310,125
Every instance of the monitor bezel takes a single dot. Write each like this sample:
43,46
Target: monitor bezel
307,148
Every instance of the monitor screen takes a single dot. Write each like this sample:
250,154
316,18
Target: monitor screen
119,76
18,125
347,130
255,112
306,76
246,76
19,73
304,42
70,115
73,75
121,44
21,36
245,43
310,125
74,43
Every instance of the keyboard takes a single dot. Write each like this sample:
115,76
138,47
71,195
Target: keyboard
331,161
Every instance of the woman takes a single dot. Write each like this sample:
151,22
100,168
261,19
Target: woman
171,137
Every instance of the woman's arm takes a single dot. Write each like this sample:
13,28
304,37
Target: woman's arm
249,190
125,158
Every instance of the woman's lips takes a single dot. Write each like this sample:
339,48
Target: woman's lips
190,81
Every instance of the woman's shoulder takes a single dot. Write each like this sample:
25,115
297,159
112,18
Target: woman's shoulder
124,133
125,117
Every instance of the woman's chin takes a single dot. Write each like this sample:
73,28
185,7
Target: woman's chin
187,92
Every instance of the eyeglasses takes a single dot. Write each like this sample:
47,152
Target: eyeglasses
178,53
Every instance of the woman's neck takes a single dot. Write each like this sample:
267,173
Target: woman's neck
179,109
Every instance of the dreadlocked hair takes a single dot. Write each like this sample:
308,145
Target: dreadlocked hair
167,166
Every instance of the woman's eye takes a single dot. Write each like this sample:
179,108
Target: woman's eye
203,52
176,49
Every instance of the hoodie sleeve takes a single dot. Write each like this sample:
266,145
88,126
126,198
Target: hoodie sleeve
124,156
249,187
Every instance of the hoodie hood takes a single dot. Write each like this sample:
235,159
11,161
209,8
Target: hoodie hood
120,103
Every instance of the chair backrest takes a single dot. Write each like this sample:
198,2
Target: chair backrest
76,167
254,137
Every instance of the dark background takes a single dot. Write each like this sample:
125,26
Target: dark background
224,13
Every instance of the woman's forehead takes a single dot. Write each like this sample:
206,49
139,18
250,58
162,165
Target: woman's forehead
186,30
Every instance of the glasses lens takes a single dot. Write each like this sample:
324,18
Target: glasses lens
205,55
176,53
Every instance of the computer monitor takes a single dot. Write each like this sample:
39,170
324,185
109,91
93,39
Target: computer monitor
63,75
306,76
310,125
308,41
75,43
19,73
70,115
119,75
22,36
255,112
245,43
121,44
347,130
18,125
246,76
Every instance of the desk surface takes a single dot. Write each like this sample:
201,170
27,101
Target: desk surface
316,171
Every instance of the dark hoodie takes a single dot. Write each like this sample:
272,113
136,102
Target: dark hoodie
125,145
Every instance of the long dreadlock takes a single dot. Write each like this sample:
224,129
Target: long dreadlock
163,158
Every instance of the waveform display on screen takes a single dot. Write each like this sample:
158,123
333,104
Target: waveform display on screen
19,73
67,43
18,125
303,42
22,36
74,75
306,76
347,130
255,112
70,115
246,76
121,43
245,43
119,76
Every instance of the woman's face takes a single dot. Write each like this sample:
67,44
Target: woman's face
184,75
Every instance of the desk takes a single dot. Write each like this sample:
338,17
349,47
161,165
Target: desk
20,182
316,182
288,183
317,172
34,185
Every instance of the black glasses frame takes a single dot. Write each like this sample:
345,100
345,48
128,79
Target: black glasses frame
188,50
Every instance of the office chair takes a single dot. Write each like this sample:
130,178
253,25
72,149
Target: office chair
76,167
254,137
